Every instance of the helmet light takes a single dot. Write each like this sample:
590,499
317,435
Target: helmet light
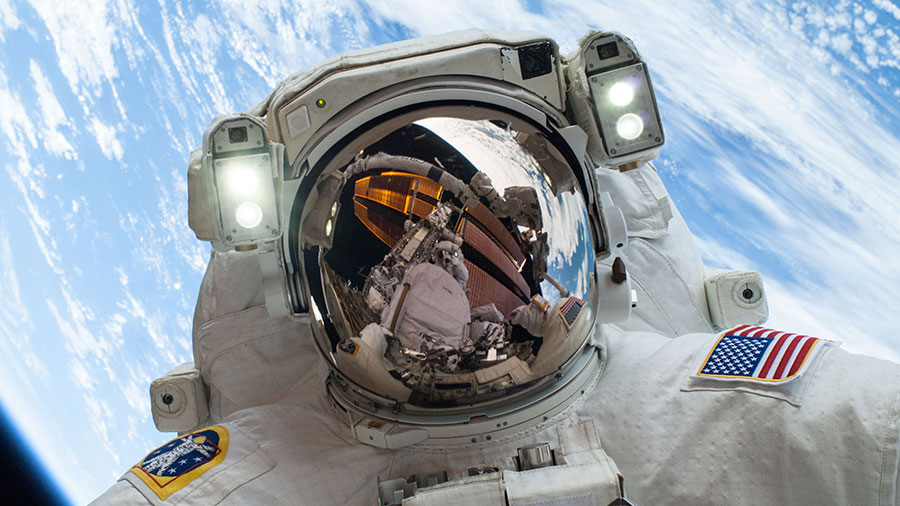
243,167
622,98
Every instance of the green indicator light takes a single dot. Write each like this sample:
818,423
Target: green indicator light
320,103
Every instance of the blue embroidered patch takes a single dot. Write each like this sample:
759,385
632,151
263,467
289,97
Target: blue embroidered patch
348,346
170,467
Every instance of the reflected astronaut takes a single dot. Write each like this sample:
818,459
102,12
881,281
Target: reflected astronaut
445,272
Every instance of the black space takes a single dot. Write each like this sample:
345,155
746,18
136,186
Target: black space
355,249
22,480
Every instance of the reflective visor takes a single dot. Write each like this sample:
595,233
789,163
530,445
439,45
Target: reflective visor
460,263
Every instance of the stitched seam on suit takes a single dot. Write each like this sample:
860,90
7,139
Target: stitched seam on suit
810,374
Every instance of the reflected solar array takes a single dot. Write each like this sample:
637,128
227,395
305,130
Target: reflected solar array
494,258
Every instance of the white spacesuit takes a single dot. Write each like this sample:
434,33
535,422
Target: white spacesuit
446,274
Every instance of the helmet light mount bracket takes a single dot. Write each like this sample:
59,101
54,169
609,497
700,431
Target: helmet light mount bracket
237,203
612,97
242,173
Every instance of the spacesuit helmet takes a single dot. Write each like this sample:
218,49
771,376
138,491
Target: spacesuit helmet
456,268
429,209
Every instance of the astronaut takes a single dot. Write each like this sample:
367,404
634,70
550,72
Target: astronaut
445,272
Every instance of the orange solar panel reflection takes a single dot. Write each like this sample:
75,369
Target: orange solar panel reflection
495,254
484,289
388,198
484,232
422,208
395,189
361,188
427,187
385,230
489,221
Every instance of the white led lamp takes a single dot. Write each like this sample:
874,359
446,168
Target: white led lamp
609,76
626,110
242,169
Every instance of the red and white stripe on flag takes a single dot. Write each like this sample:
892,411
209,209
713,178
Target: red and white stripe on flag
761,354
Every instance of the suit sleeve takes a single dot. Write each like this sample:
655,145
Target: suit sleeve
122,493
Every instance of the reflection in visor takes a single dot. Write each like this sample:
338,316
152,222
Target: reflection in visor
447,287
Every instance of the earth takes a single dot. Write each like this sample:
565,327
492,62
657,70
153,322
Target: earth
782,146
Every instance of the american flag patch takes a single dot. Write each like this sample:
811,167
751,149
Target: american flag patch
570,309
760,354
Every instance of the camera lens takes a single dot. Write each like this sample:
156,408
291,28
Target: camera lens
608,50
237,134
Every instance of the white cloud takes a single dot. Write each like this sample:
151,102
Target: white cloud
440,17
152,322
88,350
84,39
15,319
85,35
88,359
193,55
790,310
888,7
9,20
279,38
157,239
28,180
15,123
79,340
101,418
173,208
842,43
760,199
12,306
123,276
106,139
136,395
839,20
113,327
52,113
717,255
80,375
135,390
